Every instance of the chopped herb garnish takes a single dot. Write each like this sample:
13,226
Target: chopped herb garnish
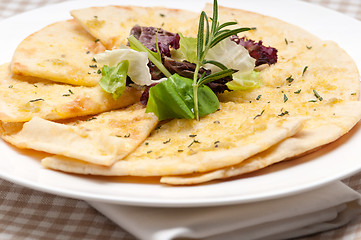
11,86
162,14
304,70
66,95
165,142
71,92
259,114
99,71
289,79
93,66
309,47
353,93
126,136
35,85
297,92
149,151
97,40
287,42
285,98
94,60
180,150
317,95
194,141
146,143
258,97
90,119
37,100
192,135
217,122
283,113
312,101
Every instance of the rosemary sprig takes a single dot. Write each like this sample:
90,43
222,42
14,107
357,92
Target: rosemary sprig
208,37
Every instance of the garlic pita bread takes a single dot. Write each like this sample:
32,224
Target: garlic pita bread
329,122
310,74
186,146
61,52
100,139
112,24
22,98
308,99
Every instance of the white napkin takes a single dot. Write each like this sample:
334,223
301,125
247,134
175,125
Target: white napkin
310,212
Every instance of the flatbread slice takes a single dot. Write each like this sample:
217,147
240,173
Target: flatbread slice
22,98
100,139
61,52
328,123
112,24
224,138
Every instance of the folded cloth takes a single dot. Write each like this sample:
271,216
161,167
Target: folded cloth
321,209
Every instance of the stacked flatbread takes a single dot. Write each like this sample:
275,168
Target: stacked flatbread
50,101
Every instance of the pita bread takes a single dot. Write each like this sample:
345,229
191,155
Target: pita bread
100,139
112,24
328,123
22,98
185,146
308,99
61,52
322,72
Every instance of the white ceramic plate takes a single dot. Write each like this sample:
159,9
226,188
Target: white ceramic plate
331,163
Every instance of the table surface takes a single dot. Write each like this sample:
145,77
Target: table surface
30,214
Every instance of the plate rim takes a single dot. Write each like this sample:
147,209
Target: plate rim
168,202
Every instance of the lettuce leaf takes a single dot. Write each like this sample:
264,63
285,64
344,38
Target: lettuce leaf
188,47
231,55
245,81
138,70
173,98
114,78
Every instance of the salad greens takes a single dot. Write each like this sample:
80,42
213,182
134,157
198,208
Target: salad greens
244,81
179,97
114,78
173,98
188,48
137,71
154,57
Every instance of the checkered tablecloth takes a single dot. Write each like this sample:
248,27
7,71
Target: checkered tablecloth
29,214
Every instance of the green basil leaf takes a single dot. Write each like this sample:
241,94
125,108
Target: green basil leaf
173,98
114,78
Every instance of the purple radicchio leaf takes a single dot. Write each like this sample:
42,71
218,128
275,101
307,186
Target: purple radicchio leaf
262,54
148,37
